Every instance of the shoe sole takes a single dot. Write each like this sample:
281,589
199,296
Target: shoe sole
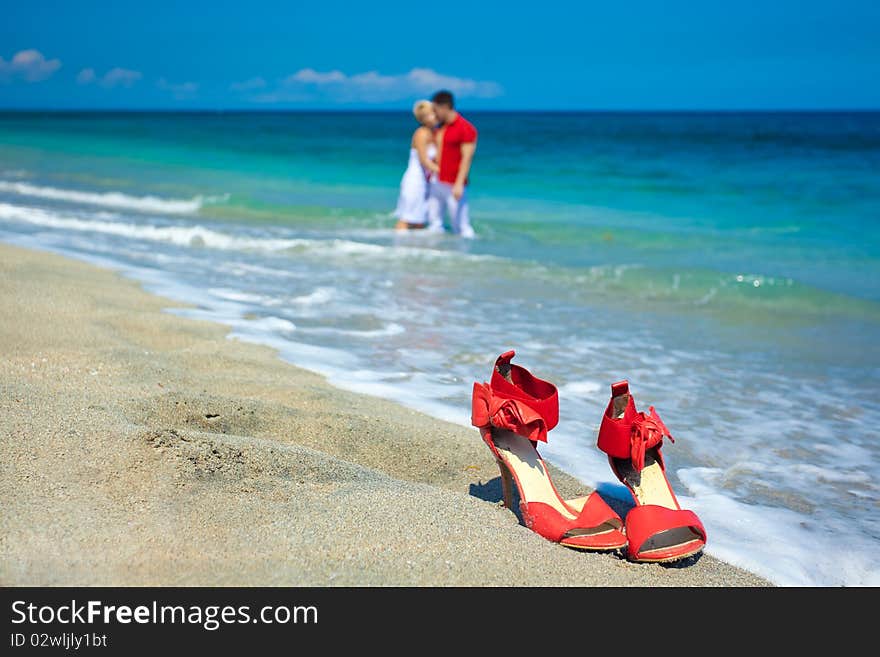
678,557
586,548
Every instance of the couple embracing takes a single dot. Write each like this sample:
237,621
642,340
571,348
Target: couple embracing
435,181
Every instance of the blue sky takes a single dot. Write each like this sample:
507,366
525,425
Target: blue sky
495,55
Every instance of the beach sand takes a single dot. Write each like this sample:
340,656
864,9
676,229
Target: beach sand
141,448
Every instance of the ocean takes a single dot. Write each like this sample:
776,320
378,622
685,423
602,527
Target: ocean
727,264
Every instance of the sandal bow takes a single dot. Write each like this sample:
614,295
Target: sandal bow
627,433
514,415
647,431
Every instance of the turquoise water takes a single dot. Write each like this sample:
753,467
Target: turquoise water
727,264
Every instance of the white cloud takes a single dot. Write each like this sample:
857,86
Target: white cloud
115,77
372,86
29,65
86,76
248,85
426,78
181,90
311,76
120,77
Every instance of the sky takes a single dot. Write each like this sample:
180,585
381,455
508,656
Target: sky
635,55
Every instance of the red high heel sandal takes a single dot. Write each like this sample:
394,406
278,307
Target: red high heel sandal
657,528
513,412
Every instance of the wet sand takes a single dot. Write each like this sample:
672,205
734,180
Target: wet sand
141,448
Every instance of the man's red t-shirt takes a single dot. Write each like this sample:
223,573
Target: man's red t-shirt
459,132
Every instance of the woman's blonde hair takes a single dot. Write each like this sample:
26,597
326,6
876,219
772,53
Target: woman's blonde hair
421,109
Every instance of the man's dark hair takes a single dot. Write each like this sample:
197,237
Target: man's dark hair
444,97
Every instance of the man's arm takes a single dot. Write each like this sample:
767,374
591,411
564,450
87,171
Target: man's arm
468,149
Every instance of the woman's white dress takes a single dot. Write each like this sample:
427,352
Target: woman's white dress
412,204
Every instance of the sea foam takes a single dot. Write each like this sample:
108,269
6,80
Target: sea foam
196,235
191,235
110,199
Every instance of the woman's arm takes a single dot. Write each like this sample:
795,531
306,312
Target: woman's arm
421,139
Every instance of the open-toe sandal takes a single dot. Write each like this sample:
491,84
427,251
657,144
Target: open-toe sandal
657,528
514,412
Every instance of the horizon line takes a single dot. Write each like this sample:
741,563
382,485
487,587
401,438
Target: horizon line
380,110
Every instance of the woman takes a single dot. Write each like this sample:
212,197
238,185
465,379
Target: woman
412,203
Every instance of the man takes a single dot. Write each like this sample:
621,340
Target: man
457,143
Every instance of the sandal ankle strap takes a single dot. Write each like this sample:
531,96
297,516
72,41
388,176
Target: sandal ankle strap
515,400
632,434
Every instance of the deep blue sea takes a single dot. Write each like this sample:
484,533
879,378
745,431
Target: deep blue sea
727,264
